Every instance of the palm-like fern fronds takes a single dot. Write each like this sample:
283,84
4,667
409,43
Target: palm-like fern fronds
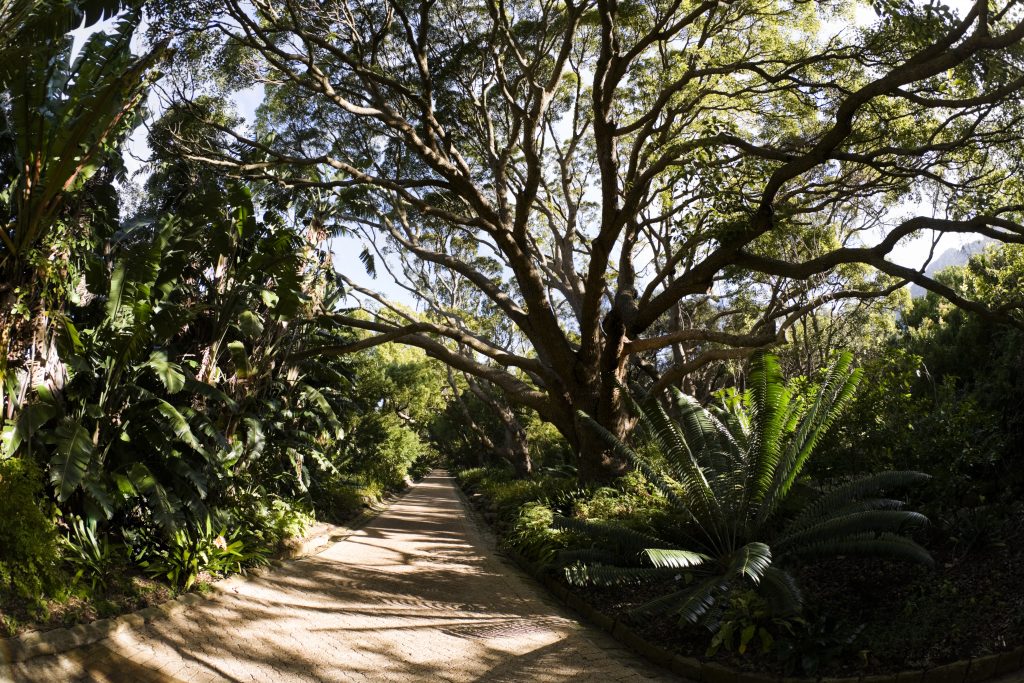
729,468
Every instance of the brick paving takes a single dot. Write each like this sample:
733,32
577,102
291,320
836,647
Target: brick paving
419,594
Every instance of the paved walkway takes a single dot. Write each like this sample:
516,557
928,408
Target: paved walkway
416,595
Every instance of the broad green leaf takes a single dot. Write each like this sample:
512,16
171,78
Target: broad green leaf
179,425
170,374
72,455
250,324
240,358
32,417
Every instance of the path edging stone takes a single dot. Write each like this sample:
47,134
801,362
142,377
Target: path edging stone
973,670
16,649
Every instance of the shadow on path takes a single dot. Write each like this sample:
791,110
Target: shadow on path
416,595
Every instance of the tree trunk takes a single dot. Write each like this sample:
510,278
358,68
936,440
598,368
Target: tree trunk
602,401
517,449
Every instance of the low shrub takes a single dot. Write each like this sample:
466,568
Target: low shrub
191,551
90,554
266,520
471,479
423,464
631,501
531,534
340,499
29,546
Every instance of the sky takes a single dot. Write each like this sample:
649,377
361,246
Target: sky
911,252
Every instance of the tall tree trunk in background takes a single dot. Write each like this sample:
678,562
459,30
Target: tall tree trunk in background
515,447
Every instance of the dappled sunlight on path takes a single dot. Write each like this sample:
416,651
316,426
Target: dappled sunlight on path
416,595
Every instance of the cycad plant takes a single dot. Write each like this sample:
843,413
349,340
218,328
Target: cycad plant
729,469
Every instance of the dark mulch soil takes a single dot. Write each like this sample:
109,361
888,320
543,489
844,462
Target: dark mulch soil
970,604
129,590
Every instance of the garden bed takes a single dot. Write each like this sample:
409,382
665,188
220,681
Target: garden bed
908,617
129,590
866,616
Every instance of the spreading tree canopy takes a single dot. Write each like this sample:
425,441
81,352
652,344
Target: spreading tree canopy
644,186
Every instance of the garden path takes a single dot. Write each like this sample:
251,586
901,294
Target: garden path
418,594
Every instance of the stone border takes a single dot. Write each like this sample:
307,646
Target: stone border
55,641
974,670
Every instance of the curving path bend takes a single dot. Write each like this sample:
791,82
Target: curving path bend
418,594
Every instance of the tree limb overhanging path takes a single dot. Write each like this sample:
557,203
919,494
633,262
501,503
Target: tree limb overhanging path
416,595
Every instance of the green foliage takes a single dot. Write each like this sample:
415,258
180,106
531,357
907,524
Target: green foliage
29,547
729,470
338,499
423,464
548,448
191,551
395,391
812,643
89,553
904,419
471,479
531,534
942,397
747,622
266,520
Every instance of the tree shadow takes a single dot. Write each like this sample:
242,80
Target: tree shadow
413,596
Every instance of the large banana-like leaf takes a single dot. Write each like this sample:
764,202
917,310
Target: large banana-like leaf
240,357
64,120
32,417
73,452
162,504
179,425
170,374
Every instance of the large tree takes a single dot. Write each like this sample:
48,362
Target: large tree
663,183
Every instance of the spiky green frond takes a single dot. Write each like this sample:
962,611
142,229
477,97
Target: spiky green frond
619,537
729,467
586,556
835,392
883,544
676,559
681,456
768,403
780,589
674,494
750,561
854,523
693,419
689,604
856,490
607,575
